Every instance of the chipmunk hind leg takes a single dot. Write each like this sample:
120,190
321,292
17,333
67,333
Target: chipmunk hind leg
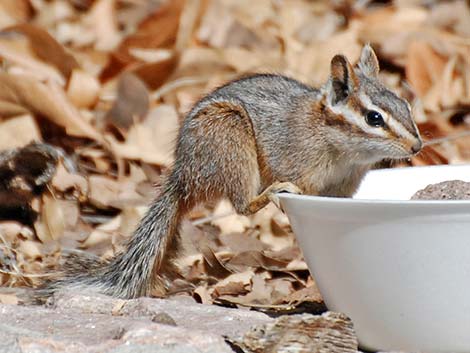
231,168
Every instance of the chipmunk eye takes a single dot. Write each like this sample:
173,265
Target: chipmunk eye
375,119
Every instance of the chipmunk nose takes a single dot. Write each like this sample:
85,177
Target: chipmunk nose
417,147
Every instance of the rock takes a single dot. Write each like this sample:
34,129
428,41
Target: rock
446,190
184,311
41,330
330,332
163,318
97,323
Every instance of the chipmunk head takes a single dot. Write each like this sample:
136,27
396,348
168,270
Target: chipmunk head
370,120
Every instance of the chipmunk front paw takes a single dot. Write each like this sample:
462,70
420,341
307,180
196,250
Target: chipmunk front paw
281,187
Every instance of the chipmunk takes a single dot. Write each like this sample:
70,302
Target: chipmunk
248,140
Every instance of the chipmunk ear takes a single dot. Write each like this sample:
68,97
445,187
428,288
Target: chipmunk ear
343,80
368,63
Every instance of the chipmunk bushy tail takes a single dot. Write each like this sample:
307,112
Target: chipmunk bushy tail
133,272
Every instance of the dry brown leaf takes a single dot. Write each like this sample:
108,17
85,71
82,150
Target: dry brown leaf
137,174
234,284
151,55
102,18
9,230
231,288
51,13
102,235
301,21
431,130
430,156
18,131
186,23
109,193
215,24
151,141
424,66
71,212
214,266
46,47
451,15
68,116
243,60
154,74
239,242
260,292
64,181
83,89
130,218
42,232
277,229
310,293
387,23
297,265
14,11
48,100
282,287
99,159
30,249
228,220
453,84
204,64
96,238
17,51
58,220
203,294
103,191
276,243
257,259
53,217
158,30
131,104
309,62
76,34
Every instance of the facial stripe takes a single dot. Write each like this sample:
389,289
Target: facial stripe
398,128
354,114
355,117
413,122
340,122
395,106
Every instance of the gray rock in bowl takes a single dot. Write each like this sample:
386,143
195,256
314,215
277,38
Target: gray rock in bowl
446,190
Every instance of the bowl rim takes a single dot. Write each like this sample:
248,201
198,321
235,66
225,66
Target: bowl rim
370,201
349,200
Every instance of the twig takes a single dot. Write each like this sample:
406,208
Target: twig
452,137
212,218
33,275
6,244
181,82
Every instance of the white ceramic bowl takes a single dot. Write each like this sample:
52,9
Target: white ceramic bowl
400,269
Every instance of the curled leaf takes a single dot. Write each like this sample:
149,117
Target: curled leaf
131,104
22,92
46,47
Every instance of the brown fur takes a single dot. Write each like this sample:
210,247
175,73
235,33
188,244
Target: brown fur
246,141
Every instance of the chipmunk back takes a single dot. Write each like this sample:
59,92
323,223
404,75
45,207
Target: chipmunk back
246,141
